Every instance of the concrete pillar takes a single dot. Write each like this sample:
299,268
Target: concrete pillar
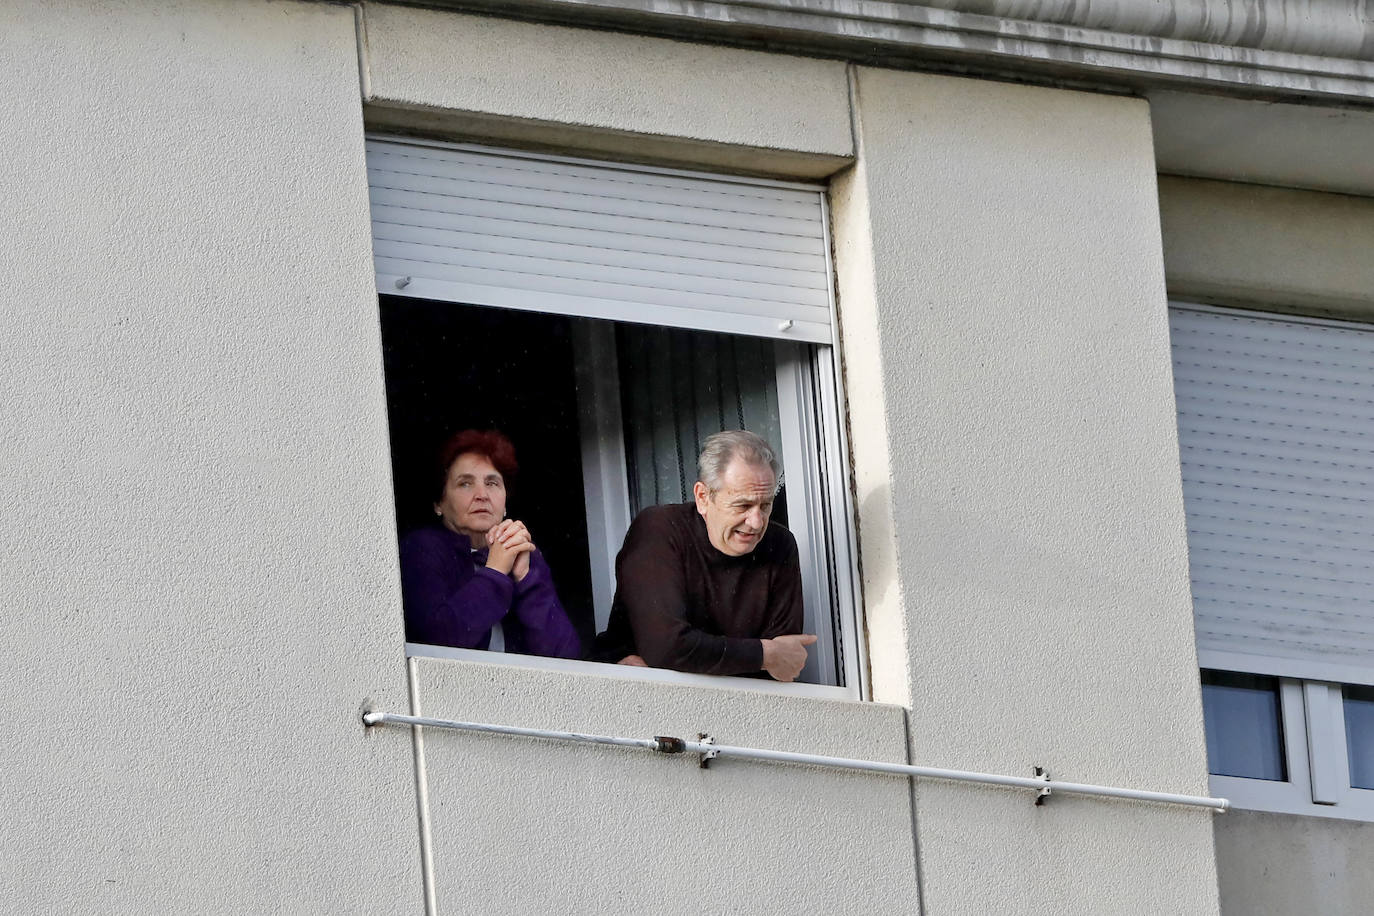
1025,560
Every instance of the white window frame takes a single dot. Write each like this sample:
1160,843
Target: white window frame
803,411
820,504
1314,739
630,672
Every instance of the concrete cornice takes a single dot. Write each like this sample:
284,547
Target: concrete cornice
1275,49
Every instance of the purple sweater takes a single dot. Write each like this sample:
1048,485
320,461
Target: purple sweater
452,599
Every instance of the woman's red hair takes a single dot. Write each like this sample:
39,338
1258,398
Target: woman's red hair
489,443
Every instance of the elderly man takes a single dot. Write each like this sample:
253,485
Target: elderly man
712,586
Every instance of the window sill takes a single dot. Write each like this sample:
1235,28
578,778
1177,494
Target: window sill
1276,797
632,673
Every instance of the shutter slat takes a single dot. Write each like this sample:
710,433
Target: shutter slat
644,296
1276,408
1317,440
466,248
644,285
1298,339
550,204
1328,534
1206,508
1214,586
555,165
1258,625
582,223
384,217
1285,469
1275,483
611,184
1247,564
1230,380
1292,356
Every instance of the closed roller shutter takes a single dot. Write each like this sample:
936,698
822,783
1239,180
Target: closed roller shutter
472,225
1276,433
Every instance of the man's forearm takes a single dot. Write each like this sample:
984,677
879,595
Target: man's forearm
697,652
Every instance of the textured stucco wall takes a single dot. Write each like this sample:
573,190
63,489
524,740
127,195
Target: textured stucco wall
604,92
864,363
198,566
1238,244
525,826
1017,305
1284,865
201,520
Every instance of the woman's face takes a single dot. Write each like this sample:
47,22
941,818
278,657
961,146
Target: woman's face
474,497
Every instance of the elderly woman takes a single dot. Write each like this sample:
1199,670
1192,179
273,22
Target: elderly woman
475,579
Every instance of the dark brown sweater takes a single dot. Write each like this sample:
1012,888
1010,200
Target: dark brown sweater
682,604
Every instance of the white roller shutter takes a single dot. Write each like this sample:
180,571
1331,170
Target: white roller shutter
1276,433
549,234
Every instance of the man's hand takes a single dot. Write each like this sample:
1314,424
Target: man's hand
633,660
784,656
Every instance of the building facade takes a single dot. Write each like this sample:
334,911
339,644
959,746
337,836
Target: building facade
981,432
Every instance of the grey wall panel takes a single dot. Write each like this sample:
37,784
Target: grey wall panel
1285,865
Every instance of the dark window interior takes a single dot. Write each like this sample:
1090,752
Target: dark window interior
1244,725
451,367
1359,737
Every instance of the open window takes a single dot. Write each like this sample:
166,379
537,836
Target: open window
608,319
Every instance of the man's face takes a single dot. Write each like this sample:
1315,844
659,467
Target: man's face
737,514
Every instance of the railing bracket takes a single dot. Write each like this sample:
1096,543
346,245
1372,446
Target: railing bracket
1042,773
711,752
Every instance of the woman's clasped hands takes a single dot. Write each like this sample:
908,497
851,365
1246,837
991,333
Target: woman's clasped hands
509,547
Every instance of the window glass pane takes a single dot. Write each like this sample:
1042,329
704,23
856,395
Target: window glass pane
1359,735
1244,726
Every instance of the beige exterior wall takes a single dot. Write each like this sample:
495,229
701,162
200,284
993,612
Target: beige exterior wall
1271,248
1018,310
198,570
201,471
864,363
524,826
603,92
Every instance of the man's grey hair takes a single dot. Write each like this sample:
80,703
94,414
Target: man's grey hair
722,448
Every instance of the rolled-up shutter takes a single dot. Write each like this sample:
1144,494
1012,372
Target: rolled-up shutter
549,234
1276,434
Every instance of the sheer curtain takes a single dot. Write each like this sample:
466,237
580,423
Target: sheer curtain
677,388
